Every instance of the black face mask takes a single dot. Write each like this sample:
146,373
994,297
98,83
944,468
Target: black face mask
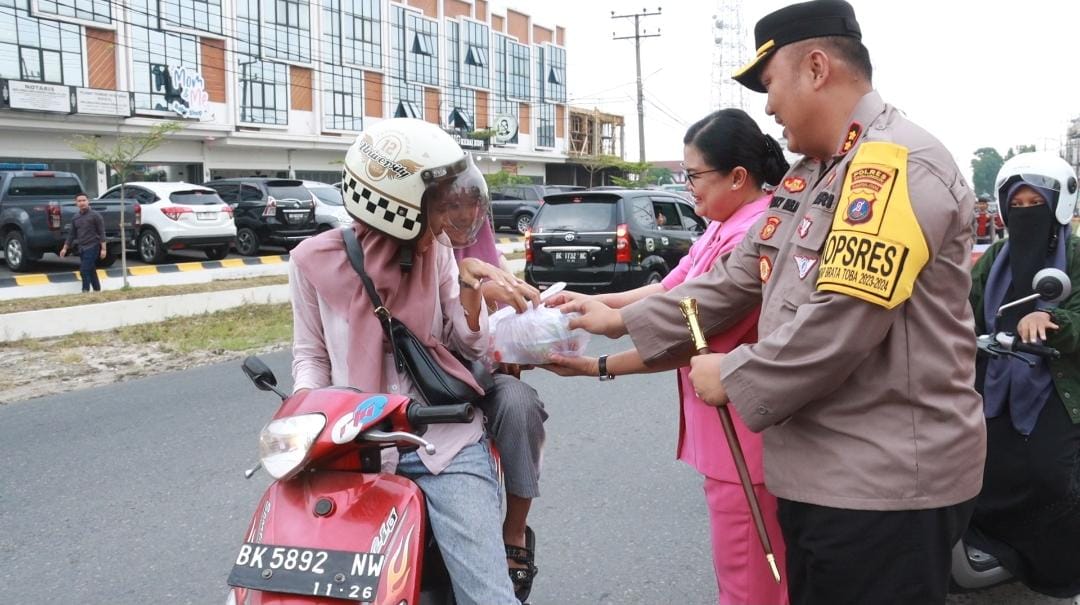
1029,248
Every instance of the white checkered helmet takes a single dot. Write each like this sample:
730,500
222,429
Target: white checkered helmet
402,173
1045,170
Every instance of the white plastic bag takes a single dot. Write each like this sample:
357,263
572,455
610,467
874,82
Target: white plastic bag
531,337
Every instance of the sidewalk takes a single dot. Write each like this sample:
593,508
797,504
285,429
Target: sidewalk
95,317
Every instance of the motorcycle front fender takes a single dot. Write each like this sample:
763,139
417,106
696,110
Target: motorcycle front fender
347,511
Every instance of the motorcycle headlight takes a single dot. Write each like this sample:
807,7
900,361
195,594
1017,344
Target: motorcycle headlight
285,442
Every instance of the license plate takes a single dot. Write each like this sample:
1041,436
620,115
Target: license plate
350,576
296,217
571,258
206,216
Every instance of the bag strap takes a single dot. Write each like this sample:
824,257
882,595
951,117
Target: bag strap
355,252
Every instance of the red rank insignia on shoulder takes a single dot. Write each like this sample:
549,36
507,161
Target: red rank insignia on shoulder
854,130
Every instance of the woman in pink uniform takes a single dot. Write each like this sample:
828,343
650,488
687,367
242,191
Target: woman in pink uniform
728,162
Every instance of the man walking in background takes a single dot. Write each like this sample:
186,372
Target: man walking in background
88,233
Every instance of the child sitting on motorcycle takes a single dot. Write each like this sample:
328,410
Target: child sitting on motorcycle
1028,513
408,184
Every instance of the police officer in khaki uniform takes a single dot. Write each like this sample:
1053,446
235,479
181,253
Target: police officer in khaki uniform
862,379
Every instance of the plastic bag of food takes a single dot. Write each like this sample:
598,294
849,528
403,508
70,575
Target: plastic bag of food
531,337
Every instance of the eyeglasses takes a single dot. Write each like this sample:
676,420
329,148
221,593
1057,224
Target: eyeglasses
690,176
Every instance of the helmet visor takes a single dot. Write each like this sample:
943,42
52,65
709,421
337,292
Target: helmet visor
456,203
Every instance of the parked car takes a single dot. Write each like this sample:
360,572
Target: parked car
36,210
514,206
330,210
177,216
278,212
610,240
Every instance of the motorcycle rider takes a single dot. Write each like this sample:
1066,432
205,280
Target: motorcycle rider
407,183
1028,513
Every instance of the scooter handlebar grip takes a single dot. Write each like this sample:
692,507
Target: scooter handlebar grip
1037,349
440,414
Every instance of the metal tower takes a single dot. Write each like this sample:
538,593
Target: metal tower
730,52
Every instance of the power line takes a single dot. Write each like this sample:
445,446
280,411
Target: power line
638,35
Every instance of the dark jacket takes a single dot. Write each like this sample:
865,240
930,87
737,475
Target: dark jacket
1066,371
87,230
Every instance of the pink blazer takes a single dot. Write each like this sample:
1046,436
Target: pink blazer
701,436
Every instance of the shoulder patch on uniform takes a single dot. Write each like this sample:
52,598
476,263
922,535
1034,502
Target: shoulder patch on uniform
876,248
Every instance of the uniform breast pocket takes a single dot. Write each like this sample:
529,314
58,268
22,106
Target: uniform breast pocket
809,239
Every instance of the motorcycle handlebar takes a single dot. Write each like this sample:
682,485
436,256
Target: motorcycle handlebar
1036,349
1008,343
420,415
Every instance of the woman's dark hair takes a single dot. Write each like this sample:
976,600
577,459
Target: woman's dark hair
729,138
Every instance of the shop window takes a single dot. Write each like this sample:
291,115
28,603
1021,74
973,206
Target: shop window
40,50
92,11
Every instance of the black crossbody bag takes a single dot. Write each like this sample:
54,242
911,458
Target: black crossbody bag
411,356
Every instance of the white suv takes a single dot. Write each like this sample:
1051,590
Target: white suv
329,208
179,215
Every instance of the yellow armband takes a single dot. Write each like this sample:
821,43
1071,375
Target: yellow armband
876,248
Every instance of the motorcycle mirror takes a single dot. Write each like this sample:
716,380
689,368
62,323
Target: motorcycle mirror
1052,285
260,374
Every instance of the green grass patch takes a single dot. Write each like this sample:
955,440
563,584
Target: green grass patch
73,300
245,328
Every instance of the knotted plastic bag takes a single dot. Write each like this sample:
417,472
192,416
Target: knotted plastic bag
531,337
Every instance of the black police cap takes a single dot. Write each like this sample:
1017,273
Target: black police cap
814,19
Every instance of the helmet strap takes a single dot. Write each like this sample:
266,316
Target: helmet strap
405,257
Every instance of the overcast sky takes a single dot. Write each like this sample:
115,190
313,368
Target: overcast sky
973,73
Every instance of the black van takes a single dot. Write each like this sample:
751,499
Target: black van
279,212
609,241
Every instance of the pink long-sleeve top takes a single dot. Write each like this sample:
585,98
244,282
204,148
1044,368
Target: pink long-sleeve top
321,342
701,436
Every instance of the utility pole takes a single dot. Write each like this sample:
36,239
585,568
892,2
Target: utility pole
638,35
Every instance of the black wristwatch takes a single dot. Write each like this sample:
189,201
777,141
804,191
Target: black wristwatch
601,365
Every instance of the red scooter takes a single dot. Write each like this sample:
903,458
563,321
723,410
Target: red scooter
333,526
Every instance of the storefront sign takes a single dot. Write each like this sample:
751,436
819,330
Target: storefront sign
478,144
194,102
510,167
506,129
94,101
37,96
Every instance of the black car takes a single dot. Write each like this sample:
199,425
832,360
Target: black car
278,212
514,206
611,240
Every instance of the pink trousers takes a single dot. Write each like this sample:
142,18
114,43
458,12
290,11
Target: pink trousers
742,573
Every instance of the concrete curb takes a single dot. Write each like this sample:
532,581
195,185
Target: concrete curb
48,323
40,279
178,273
95,317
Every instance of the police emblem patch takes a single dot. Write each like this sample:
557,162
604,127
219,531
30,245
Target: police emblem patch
769,228
765,268
794,184
859,210
865,184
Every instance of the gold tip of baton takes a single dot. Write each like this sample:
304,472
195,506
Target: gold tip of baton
690,312
775,570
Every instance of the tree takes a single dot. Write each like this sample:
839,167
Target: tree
636,175
121,157
1019,149
502,178
598,163
984,168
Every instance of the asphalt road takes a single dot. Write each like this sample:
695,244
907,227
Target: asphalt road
133,493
